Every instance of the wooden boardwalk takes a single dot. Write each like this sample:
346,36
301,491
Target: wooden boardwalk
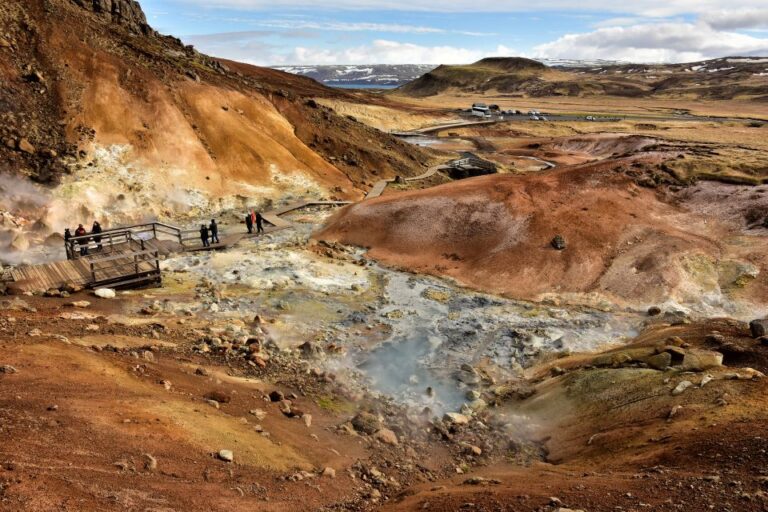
381,185
129,256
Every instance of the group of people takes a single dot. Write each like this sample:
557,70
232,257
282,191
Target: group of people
83,242
210,234
254,218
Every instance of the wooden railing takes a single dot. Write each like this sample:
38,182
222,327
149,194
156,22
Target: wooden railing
110,240
126,268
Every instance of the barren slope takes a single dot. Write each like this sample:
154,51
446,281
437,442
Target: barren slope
495,233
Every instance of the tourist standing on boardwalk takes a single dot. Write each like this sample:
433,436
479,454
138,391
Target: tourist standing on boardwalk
96,230
80,231
259,223
214,232
249,222
67,237
204,235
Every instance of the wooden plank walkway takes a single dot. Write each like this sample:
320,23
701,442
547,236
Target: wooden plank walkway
109,266
379,187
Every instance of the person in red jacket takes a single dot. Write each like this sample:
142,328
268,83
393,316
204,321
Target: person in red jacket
80,231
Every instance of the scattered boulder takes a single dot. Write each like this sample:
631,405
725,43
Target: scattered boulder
455,418
25,146
681,387
259,413
558,242
105,293
7,369
150,463
226,455
758,327
310,349
479,480
654,311
218,396
386,436
700,360
659,361
79,304
329,472
276,396
366,423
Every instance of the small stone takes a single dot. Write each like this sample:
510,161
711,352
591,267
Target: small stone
455,418
705,380
674,411
105,293
307,420
226,455
386,436
7,369
166,384
558,242
213,403
79,304
218,396
53,408
654,311
150,463
474,450
277,396
202,372
259,413
26,147
680,388
329,472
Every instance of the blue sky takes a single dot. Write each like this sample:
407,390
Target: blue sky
458,31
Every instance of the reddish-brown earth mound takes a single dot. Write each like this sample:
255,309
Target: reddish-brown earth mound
495,233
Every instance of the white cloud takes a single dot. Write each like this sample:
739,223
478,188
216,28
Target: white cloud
651,8
338,26
658,42
734,20
387,52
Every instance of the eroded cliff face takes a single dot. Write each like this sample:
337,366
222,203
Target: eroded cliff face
124,12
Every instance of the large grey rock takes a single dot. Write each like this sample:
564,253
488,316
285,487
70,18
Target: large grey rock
758,327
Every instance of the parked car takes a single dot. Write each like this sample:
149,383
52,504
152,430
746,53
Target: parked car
590,118
534,117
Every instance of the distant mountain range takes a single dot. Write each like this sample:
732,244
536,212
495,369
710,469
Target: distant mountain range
725,78
382,75
395,75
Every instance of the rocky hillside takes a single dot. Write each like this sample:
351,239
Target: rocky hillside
727,78
78,75
102,116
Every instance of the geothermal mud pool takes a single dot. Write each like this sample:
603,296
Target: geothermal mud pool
403,335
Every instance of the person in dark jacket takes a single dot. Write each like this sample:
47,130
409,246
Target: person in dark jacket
259,223
96,230
214,228
80,231
204,235
249,222
67,237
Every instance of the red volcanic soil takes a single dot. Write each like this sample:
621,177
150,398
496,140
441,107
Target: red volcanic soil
495,232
